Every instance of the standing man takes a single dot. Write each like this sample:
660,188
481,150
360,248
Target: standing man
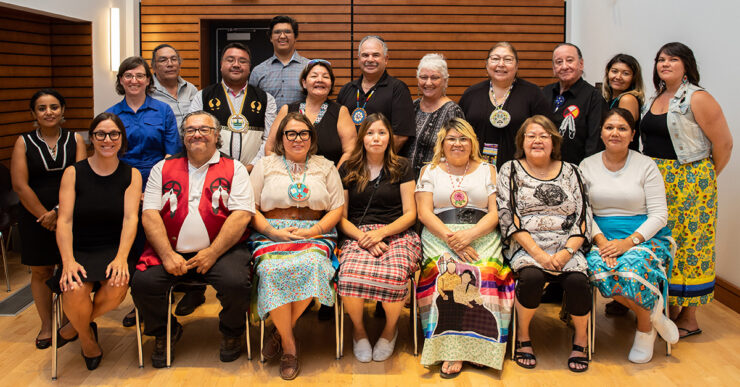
197,206
575,105
169,87
279,74
377,92
246,112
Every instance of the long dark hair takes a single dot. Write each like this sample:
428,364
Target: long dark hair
356,164
684,53
635,88
472,279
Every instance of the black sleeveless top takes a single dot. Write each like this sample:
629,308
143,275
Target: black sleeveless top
330,146
656,140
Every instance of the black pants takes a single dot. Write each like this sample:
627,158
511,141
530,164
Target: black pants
577,289
230,276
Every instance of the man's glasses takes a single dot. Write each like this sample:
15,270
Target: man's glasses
203,130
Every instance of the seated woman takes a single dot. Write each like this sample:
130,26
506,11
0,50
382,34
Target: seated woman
545,219
465,290
633,246
299,201
335,130
382,250
98,213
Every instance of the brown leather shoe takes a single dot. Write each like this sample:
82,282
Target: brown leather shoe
273,346
289,366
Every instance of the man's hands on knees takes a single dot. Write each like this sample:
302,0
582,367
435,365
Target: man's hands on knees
175,264
203,261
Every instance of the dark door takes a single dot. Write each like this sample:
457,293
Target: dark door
252,33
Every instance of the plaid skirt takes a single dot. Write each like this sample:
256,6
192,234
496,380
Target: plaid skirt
382,278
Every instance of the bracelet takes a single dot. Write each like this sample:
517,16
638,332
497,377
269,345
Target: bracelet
56,208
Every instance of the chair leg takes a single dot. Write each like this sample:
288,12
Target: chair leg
667,314
414,317
5,261
341,328
592,321
512,337
248,336
589,331
336,327
138,338
262,340
54,322
169,327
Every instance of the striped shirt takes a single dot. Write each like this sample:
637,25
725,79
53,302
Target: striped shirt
279,80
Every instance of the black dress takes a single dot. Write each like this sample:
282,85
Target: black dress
98,217
526,100
330,146
39,245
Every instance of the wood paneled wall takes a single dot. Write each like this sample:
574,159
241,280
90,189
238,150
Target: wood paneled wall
462,30
36,52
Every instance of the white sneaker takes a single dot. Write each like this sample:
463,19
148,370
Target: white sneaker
363,351
642,348
666,328
384,348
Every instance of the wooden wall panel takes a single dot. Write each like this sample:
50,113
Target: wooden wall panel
38,51
462,30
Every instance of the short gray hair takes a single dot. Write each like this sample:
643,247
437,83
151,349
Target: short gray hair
213,118
376,37
436,62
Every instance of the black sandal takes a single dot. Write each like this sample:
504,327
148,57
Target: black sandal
518,355
451,375
581,360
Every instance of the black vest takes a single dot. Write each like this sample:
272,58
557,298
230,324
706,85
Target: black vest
215,102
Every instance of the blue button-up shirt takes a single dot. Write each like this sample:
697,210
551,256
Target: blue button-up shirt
281,81
151,133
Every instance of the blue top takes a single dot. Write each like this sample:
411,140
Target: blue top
151,133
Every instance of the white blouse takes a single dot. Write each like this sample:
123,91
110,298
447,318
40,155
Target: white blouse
478,184
636,189
271,181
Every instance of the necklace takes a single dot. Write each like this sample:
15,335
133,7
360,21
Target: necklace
499,117
322,111
52,149
458,198
298,191
359,114
536,172
236,122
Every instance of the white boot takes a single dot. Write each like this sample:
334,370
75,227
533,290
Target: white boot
642,348
666,328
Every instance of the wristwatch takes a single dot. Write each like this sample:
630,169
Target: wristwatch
635,240
570,250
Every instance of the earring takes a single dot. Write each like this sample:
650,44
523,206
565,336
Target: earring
661,85
685,79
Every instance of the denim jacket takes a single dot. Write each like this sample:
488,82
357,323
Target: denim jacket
687,137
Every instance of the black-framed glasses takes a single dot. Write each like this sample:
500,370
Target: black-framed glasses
100,135
292,135
203,130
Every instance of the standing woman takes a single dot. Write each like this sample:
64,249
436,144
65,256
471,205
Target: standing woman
685,132
465,318
98,211
623,88
335,130
497,106
151,130
432,110
36,167
382,250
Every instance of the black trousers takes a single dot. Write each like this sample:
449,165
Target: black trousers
577,289
230,276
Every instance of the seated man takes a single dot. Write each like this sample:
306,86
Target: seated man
196,209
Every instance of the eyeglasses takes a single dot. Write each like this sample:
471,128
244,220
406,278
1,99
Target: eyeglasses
457,140
508,60
139,76
324,61
164,59
280,32
203,130
100,135
292,135
232,60
541,137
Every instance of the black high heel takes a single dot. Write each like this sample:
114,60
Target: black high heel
93,362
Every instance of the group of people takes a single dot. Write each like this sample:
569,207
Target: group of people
271,192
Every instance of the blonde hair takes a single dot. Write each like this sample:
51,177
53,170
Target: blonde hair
464,128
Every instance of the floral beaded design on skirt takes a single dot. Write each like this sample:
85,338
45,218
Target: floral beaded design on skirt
691,193
384,278
465,307
293,271
640,272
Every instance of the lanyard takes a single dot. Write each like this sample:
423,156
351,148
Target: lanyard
367,99
231,105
